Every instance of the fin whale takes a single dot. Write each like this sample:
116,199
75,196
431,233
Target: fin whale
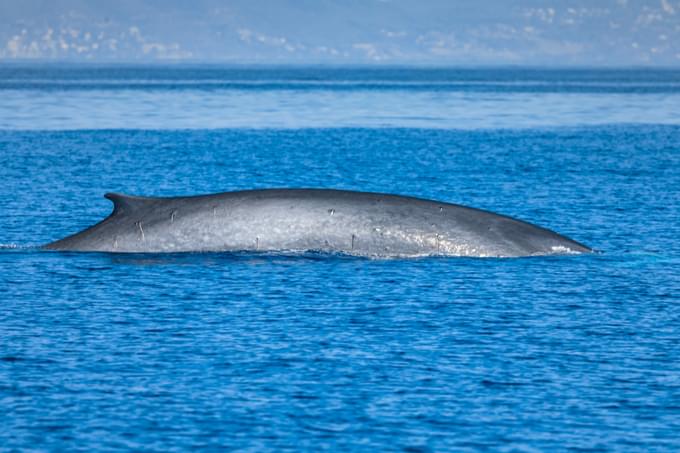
281,220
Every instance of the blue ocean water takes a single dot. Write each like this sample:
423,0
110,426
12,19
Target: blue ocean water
308,352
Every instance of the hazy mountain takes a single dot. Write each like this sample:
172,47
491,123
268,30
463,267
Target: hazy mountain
461,32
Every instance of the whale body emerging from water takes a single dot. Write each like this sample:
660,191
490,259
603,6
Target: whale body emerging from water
290,220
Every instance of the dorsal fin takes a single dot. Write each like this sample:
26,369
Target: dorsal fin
127,203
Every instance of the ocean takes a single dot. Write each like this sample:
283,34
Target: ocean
313,351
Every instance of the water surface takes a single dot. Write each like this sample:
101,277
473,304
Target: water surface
272,352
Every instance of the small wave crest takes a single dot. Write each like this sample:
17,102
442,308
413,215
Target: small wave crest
562,250
16,247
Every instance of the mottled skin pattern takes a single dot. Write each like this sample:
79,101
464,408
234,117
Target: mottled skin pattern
275,220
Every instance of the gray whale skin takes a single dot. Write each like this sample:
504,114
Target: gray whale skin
290,220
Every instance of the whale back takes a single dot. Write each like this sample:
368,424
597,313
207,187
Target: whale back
360,223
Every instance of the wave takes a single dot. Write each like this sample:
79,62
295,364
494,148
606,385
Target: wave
339,85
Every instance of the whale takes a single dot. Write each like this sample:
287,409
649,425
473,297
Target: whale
312,220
